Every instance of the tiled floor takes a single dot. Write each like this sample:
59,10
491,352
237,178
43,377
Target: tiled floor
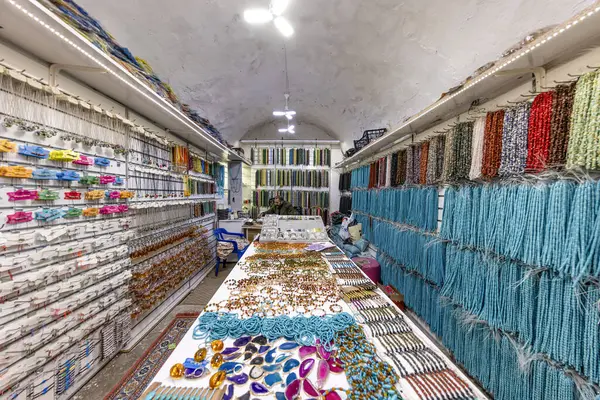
101,384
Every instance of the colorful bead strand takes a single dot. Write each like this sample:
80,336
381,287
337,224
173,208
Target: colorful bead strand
540,123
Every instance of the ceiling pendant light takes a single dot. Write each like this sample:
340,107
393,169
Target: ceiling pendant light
278,6
284,26
258,16
289,129
289,114
273,13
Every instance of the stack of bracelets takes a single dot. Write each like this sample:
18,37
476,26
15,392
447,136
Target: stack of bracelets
425,370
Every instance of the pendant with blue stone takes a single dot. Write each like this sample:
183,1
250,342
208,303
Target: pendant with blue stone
273,379
259,389
288,346
290,365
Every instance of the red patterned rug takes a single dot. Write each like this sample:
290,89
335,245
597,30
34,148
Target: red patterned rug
139,376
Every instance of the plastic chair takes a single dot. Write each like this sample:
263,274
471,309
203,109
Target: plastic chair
221,234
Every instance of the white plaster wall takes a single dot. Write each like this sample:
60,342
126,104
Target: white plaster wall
559,73
354,64
15,58
304,131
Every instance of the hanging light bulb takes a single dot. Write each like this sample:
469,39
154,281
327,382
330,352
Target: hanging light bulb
275,11
279,6
258,16
284,26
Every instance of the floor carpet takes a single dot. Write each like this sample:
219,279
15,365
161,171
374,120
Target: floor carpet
139,376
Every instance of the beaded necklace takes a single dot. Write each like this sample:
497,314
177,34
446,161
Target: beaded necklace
394,169
477,148
410,164
432,161
492,144
402,162
441,151
562,108
584,143
540,122
424,153
514,140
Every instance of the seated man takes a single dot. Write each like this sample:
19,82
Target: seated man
281,207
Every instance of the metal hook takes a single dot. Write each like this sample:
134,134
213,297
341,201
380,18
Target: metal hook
559,82
574,75
513,102
587,66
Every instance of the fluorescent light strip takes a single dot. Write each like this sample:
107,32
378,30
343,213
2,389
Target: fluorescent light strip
481,78
204,135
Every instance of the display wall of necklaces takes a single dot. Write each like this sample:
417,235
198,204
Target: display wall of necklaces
45,340
294,188
157,275
18,241
158,229
92,320
22,218
21,196
150,243
198,187
65,277
160,213
45,150
201,176
290,156
49,113
43,382
310,179
28,270
77,295
149,184
297,197
147,152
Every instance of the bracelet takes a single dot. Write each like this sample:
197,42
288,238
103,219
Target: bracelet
335,308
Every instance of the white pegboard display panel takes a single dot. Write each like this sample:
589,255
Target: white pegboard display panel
100,222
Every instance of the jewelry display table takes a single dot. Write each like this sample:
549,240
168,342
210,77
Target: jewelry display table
189,346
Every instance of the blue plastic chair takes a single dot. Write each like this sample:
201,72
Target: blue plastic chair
220,234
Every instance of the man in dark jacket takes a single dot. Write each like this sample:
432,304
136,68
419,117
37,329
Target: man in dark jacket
281,207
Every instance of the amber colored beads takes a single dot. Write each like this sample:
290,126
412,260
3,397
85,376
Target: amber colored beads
217,379
176,371
217,345
216,360
200,355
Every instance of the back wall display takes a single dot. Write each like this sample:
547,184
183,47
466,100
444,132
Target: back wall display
98,219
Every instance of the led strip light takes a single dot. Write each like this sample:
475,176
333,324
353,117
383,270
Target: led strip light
549,36
168,109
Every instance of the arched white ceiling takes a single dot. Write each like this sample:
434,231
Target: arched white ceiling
353,64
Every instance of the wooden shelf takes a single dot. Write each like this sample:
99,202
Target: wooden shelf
30,26
561,44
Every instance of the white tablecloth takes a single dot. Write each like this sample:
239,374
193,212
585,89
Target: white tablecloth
188,346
